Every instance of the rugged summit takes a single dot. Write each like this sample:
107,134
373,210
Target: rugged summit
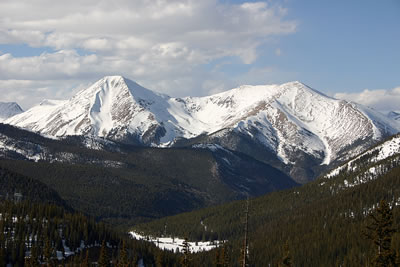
9,109
287,125
113,108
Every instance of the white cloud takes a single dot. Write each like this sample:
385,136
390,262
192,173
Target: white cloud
26,92
33,37
97,44
380,99
48,66
161,44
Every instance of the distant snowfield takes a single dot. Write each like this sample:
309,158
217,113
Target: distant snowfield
172,244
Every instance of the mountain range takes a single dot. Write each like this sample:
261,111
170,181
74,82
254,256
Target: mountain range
290,126
132,157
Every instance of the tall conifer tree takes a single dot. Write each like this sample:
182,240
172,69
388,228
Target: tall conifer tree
186,251
103,257
286,260
380,230
85,262
123,256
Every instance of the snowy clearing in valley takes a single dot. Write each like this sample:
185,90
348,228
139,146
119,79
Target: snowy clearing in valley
169,243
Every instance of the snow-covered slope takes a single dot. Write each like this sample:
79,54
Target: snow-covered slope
290,118
113,107
9,109
370,165
17,144
378,153
394,115
285,119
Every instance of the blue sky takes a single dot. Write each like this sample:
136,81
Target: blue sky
346,49
339,46
344,45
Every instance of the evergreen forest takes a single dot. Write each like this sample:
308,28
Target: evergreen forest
78,213
323,223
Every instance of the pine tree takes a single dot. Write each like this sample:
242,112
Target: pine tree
222,257
22,249
2,256
135,260
85,262
47,252
217,258
397,260
14,252
103,257
123,256
225,257
186,251
244,257
160,259
76,260
380,230
34,259
286,261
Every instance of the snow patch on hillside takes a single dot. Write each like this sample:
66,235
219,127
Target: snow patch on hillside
176,244
31,151
383,151
212,147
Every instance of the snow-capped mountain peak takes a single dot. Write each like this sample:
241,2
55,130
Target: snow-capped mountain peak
292,120
9,109
113,107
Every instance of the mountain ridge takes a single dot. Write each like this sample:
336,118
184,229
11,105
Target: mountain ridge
286,120
9,109
143,182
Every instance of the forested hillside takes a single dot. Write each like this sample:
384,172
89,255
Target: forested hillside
37,226
323,222
19,187
125,184
43,233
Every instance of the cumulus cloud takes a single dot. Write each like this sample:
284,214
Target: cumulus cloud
158,43
35,91
381,99
33,37
48,66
